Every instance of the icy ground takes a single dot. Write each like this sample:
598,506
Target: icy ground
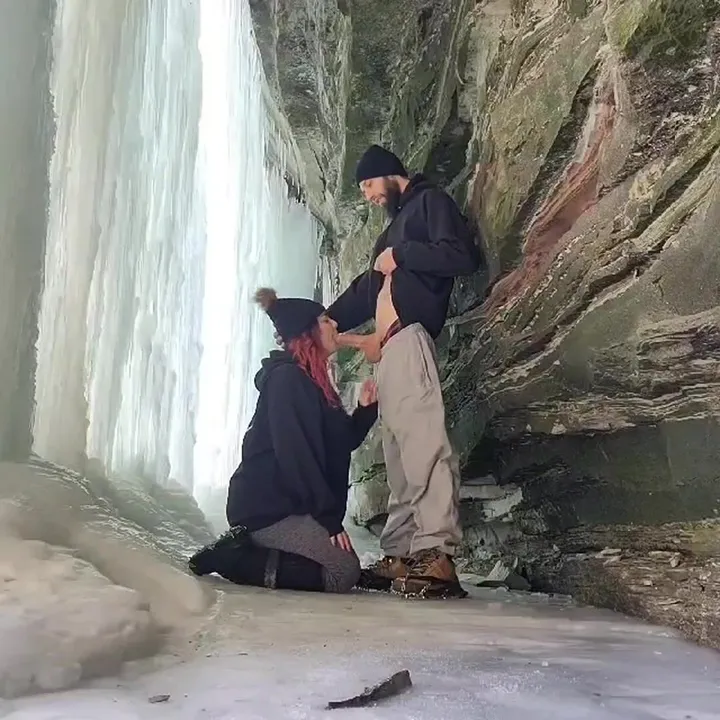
92,582
497,656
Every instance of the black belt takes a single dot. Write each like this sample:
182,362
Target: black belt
394,329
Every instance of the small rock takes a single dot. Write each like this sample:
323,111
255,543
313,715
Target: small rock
605,552
647,582
661,554
158,699
679,574
501,575
675,560
470,578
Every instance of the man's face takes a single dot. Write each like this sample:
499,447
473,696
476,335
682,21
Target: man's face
379,190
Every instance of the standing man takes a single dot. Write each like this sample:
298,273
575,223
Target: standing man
426,244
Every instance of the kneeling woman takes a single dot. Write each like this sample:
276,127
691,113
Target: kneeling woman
286,502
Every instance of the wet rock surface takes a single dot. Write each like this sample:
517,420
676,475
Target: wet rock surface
582,369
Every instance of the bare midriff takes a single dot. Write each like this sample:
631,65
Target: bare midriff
385,314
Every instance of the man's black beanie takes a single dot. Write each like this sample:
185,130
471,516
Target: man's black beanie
378,162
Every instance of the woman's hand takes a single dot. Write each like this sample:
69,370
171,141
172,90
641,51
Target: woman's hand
368,393
342,540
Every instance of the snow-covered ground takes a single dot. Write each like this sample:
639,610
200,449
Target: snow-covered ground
91,577
282,655
497,655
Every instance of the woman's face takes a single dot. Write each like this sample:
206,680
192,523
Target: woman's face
328,334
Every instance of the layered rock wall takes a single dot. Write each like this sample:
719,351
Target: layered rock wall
582,368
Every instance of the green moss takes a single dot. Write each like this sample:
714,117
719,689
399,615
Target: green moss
526,123
673,30
623,19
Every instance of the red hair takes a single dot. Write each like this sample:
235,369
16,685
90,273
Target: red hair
308,355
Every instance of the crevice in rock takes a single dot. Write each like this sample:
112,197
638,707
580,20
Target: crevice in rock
448,156
673,193
423,20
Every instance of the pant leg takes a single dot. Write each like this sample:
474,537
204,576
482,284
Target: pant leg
400,527
412,406
303,535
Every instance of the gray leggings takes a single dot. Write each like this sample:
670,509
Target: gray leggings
303,535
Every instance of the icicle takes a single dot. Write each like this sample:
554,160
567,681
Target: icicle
258,234
118,352
170,203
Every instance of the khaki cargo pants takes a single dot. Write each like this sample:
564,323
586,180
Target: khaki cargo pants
422,469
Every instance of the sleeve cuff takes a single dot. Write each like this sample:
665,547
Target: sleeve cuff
332,526
399,255
367,413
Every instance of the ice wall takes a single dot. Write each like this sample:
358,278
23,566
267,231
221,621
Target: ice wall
118,351
25,140
168,207
256,236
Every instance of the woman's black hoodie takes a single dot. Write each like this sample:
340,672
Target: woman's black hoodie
296,452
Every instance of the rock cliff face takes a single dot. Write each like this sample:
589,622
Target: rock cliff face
582,368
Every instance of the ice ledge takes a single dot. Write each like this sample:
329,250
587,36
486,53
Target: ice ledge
83,589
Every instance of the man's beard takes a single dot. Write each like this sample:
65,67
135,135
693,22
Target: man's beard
392,201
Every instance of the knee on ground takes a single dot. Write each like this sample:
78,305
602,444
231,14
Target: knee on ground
345,578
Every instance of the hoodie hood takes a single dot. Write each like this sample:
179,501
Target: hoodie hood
418,184
275,359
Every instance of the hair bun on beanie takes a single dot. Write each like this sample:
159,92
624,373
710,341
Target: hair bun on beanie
265,298
292,317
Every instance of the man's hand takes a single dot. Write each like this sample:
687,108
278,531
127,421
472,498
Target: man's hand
368,393
369,345
385,262
342,540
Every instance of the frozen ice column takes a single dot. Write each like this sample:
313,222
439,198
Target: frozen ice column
26,129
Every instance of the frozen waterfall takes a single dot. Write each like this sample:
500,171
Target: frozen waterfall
255,235
167,208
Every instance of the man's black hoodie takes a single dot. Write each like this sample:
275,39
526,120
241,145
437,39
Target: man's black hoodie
432,244
296,452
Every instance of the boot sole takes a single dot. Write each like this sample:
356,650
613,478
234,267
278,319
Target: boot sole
429,590
370,580
373,582
201,563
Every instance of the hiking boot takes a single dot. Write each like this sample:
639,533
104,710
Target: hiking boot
431,574
380,575
205,560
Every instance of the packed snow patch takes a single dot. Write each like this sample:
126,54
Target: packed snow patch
84,588
61,620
